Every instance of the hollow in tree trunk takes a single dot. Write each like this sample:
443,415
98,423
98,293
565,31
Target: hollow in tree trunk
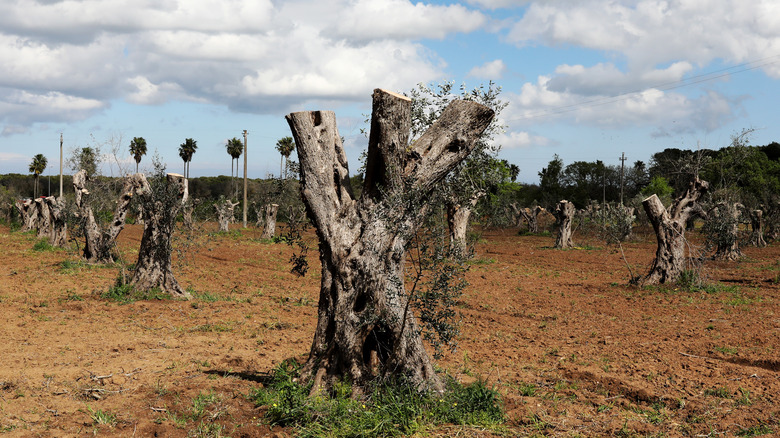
269,229
59,223
99,243
757,228
564,214
161,206
365,326
225,213
669,226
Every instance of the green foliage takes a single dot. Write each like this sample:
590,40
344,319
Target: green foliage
124,293
438,279
86,159
137,150
43,245
755,430
100,417
390,408
658,186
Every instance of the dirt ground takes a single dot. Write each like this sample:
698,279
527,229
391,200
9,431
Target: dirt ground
572,348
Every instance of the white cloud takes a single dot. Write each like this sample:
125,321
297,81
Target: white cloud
22,107
498,4
521,140
490,70
648,33
538,103
400,19
253,55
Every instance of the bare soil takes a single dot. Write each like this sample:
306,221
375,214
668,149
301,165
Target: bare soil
572,348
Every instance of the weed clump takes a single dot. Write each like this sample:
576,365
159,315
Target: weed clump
389,408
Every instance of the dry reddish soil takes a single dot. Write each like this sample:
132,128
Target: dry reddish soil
572,348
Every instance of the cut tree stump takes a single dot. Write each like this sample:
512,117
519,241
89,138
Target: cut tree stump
99,243
364,310
669,226
564,215
225,214
161,206
269,228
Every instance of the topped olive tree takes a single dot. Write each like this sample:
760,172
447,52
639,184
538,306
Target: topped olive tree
365,326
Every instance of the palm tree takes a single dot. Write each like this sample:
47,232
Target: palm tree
234,149
285,146
137,150
37,167
186,151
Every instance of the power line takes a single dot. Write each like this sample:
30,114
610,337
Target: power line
693,80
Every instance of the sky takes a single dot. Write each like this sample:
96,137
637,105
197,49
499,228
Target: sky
584,79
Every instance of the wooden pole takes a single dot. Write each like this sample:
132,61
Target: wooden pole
60,165
622,173
245,178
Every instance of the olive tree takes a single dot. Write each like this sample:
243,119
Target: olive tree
365,326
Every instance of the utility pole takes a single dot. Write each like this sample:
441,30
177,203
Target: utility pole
622,173
244,178
60,165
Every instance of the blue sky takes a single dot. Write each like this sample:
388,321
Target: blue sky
584,79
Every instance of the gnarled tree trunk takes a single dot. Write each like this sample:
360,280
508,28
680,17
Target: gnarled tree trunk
28,213
59,224
564,214
44,218
225,213
269,230
259,213
161,206
727,242
99,243
187,209
669,227
365,327
458,215
757,228
531,217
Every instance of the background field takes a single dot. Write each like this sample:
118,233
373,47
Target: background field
572,348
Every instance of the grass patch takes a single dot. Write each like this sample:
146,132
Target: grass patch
206,297
390,408
726,350
757,430
43,245
100,417
721,392
124,293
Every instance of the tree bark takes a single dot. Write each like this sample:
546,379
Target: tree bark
161,206
99,243
259,213
727,245
59,223
43,224
225,214
269,230
564,214
757,228
531,217
458,215
669,226
28,213
363,307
